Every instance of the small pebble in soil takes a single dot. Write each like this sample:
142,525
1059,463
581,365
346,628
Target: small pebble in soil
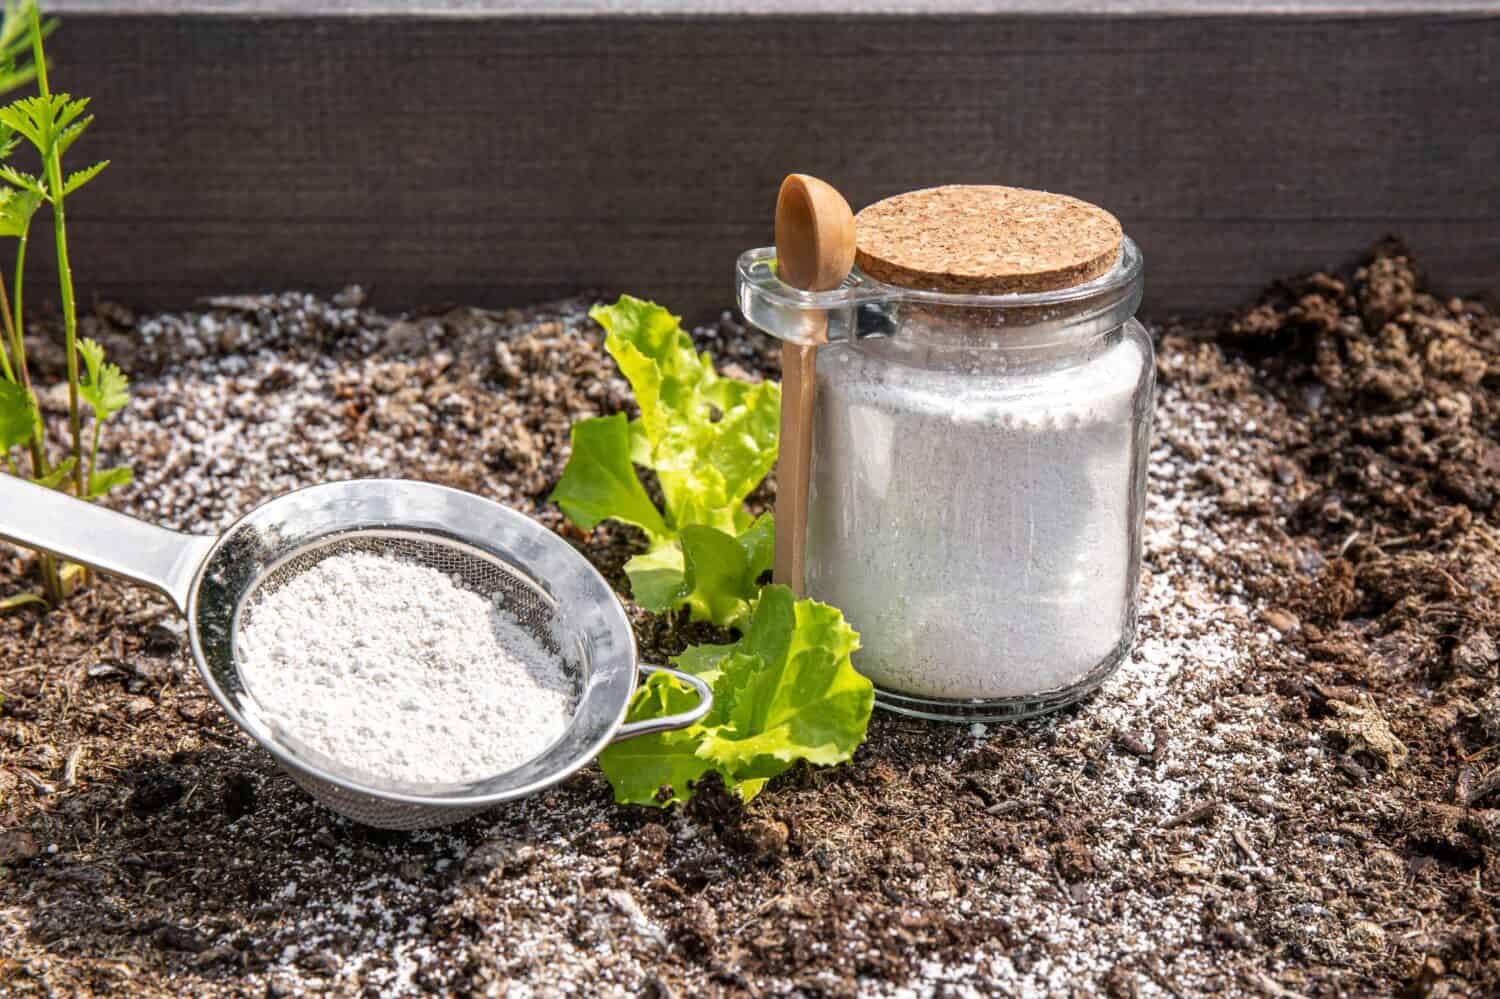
239,795
179,938
18,846
154,791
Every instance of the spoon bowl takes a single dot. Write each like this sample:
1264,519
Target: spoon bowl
814,234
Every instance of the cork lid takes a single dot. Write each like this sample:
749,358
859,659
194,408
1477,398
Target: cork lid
985,240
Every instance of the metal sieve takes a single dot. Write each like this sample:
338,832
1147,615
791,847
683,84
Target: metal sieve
548,586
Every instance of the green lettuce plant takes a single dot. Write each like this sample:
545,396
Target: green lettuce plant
709,439
786,690
50,123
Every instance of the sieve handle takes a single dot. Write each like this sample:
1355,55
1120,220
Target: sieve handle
670,722
34,516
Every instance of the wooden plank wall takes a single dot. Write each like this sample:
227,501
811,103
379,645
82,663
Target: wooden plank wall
499,159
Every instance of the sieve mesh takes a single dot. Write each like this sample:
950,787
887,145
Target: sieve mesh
548,587
467,567
376,811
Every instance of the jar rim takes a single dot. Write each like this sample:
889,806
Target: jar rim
816,317
860,288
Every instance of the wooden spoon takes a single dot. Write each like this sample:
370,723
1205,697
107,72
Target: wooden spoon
814,252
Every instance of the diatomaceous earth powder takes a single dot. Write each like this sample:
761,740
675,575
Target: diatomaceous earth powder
979,529
395,670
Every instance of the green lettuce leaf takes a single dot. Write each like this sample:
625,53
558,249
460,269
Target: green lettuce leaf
806,702
599,482
657,577
656,769
786,691
710,441
713,573
656,356
721,572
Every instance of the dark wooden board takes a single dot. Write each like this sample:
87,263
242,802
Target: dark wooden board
497,159
756,8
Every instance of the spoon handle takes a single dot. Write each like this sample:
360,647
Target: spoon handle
815,249
794,464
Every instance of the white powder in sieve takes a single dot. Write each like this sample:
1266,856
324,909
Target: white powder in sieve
395,670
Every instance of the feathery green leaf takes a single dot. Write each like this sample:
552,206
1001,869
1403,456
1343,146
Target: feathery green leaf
22,180
105,479
81,177
66,109
16,210
55,478
16,69
18,418
69,135
106,389
21,116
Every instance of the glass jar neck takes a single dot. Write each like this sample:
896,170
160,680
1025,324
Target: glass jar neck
1049,324
918,338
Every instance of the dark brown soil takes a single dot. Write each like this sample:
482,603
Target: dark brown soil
1293,786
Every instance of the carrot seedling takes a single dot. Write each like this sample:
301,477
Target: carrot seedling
50,123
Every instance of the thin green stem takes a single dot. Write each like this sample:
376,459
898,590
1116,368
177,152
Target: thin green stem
39,464
52,584
64,270
10,331
94,453
15,325
70,334
52,578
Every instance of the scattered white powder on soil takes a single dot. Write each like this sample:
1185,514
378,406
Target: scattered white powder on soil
397,671
349,914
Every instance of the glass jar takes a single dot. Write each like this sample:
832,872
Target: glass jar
978,481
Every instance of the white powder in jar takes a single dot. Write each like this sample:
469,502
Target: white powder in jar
397,671
980,528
